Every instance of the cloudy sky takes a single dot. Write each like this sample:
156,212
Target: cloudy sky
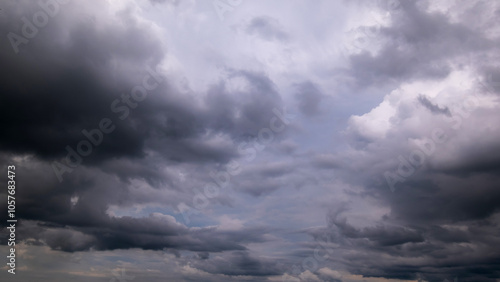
238,140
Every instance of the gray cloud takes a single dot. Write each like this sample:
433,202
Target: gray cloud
417,45
360,119
309,98
432,107
267,28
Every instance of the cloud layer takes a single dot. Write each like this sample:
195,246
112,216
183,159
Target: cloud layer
324,141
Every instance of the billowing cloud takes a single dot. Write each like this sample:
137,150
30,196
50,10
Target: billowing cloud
252,140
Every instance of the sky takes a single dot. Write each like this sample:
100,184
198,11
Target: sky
237,140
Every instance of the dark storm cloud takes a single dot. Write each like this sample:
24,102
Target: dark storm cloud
441,222
442,219
416,45
58,86
240,263
68,240
57,92
434,199
155,232
446,218
430,252
85,224
267,28
81,87
379,235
